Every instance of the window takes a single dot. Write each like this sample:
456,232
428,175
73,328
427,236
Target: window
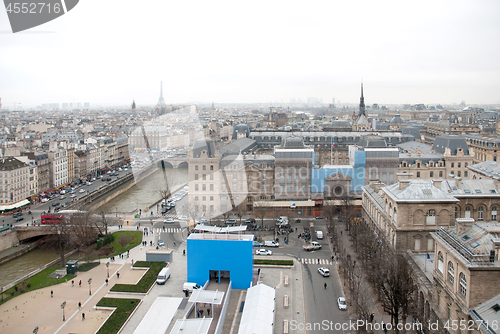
459,165
196,167
264,176
204,177
289,177
452,165
211,187
282,178
282,188
457,213
467,211
204,167
431,217
431,174
211,177
195,177
441,174
211,198
480,213
463,285
211,208
289,189
418,174
203,187
440,262
195,187
493,213
264,187
211,167
451,273
204,198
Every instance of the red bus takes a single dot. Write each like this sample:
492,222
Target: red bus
52,219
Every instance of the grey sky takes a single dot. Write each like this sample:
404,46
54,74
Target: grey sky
113,51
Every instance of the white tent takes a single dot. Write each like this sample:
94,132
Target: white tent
259,311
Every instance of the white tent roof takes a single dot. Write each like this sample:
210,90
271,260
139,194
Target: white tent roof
197,325
216,229
207,296
259,311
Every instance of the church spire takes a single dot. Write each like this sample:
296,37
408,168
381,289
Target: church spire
362,102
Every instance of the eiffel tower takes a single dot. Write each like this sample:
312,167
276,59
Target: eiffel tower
161,101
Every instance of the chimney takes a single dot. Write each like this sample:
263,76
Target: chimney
458,180
403,184
377,186
496,247
404,176
437,183
463,225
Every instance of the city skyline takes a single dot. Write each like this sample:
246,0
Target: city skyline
255,53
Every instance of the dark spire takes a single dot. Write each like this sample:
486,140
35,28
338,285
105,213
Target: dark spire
362,103
133,104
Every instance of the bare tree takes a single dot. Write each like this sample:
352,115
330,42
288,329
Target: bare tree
398,288
61,238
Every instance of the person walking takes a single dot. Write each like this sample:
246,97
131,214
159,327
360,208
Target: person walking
117,275
83,316
325,285
51,293
201,313
79,305
72,282
208,311
106,282
372,316
80,283
198,313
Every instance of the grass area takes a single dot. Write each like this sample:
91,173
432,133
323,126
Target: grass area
146,281
38,281
87,266
124,308
274,262
125,240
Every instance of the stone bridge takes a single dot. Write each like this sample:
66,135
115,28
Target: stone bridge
177,162
28,232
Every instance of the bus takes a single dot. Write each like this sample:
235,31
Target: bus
52,218
59,217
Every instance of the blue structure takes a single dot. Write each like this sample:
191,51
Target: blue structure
220,256
355,170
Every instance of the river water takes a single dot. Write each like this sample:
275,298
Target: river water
141,195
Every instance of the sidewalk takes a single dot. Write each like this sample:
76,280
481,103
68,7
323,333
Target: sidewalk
373,306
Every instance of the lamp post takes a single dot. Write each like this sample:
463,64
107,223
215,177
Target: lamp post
62,306
107,267
116,212
90,281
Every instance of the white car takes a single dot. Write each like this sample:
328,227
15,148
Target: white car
72,196
161,243
323,271
183,218
263,251
169,221
342,304
82,190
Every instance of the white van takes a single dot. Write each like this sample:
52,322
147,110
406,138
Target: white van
319,234
191,286
163,276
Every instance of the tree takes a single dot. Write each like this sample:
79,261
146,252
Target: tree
260,214
398,288
61,237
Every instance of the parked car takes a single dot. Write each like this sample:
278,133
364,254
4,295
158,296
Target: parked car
56,204
169,221
257,244
263,251
319,217
19,219
62,197
183,218
231,221
161,243
324,271
72,196
82,190
342,304
250,221
271,243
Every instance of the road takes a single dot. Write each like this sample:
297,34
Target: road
38,208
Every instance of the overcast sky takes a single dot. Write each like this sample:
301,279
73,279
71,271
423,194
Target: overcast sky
113,51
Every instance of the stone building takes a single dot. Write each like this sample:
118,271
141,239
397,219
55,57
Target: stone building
14,176
466,273
406,212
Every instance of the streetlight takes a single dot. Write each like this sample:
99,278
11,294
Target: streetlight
90,281
62,306
107,267
116,212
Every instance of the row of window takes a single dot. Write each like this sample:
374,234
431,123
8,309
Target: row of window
204,187
431,174
203,167
450,276
480,212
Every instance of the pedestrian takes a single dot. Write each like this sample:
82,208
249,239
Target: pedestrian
79,305
83,316
132,262
372,316
340,233
72,282
208,311
198,313
117,275
318,260
384,327
128,252
201,313
106,281
51,293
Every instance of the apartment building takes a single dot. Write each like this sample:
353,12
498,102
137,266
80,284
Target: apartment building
14,182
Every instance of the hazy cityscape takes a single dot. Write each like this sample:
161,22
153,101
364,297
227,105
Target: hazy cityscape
251,168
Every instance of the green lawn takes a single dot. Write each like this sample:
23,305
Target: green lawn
38,281
125,240
124,308
146,281
274,262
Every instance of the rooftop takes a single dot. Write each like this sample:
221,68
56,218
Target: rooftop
488,168
418,191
